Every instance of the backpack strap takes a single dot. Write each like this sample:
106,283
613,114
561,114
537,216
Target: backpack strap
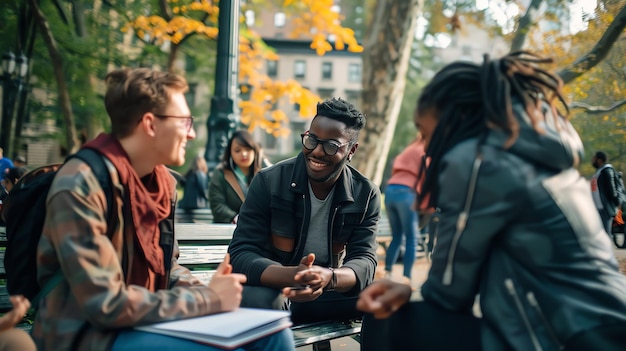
97,163
234,183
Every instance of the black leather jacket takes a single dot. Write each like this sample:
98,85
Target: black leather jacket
607,188
519,228
278,204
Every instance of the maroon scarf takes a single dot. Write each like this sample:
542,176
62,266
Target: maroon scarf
149,199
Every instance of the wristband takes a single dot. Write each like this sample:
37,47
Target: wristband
332,284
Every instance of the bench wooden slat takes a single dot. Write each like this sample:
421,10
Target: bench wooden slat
200,215
200,255
204,232
307,334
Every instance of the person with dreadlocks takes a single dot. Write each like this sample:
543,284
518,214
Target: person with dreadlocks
516,224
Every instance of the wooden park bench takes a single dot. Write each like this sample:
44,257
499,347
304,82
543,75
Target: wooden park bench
202,248
199,215
383,237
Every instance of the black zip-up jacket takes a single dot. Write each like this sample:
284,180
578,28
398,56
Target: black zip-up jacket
278,203
518,226
607,186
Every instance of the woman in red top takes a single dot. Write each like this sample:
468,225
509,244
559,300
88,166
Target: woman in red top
400,195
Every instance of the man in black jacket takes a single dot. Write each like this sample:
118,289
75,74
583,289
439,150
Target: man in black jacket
604,189
305,238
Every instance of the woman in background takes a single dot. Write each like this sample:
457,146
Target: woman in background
228,188
400,205
196,186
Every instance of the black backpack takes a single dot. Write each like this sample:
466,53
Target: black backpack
24,212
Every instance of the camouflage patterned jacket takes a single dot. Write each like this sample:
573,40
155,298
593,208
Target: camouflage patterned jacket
93,301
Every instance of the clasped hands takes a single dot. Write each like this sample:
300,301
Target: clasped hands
310,281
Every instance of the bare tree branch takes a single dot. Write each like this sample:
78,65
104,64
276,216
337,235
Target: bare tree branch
597,109
599,52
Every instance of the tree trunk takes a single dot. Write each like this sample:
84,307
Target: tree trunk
71,138
387,49
599,52
524,24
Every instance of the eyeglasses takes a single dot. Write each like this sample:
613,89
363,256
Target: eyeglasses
329,146
188,120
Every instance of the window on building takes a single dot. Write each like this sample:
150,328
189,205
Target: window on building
327,70
250,18
299,127
279,19
325,93
299,69
272,68
354,73
353,96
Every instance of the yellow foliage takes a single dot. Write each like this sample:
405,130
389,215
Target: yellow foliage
321,20
263,109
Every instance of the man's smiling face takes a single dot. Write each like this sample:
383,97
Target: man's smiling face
320,166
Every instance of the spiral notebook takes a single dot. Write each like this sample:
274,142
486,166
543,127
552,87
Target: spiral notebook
227,330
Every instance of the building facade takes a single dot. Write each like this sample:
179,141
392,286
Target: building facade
336,74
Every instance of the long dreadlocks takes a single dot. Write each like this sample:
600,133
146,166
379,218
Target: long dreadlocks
469,99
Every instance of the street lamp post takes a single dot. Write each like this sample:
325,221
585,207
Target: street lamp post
224,114
14,70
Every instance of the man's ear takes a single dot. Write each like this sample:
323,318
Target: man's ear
147,123
352,151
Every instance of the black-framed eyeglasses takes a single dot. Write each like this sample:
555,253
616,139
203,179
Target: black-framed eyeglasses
188,119
329,146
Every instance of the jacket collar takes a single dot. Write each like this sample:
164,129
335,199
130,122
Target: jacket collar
299,181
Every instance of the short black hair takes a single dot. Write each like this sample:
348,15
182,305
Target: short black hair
342,111
601,155
13,174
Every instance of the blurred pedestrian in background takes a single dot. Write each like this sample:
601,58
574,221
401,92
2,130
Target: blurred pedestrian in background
605,185
9,178
19,161
5,163
195,193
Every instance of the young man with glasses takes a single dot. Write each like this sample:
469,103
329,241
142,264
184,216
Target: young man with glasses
116,272
306,235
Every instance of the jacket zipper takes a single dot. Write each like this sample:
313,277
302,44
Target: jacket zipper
432,237
300,241
330,237
461,221
508,283
532,300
